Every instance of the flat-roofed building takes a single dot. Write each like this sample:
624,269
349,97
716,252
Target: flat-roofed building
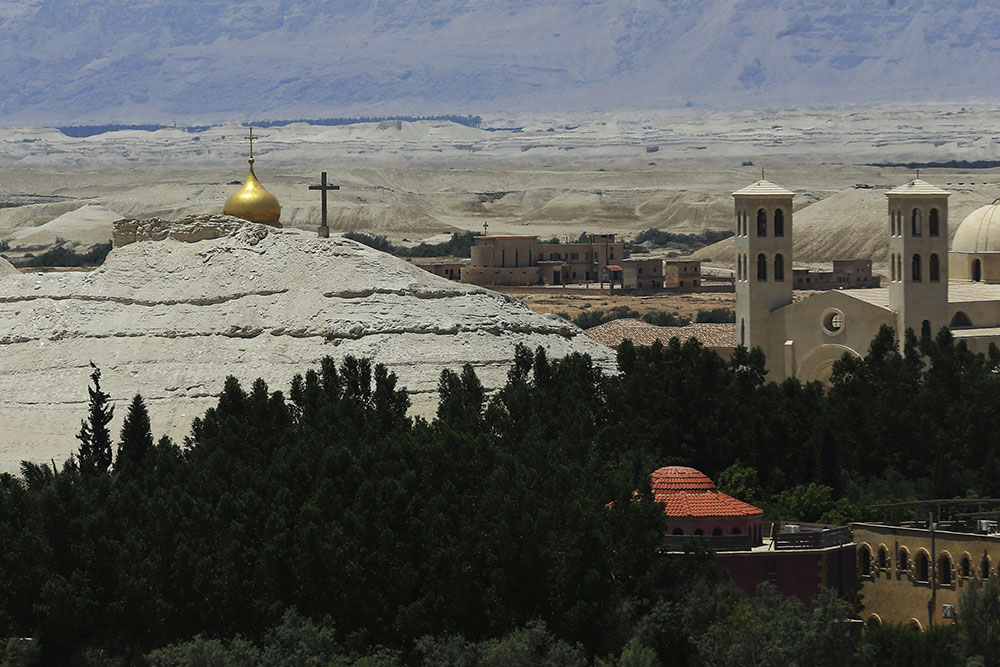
643,273
682,274
522,260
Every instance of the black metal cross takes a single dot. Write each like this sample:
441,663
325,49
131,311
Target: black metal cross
324,187
486,227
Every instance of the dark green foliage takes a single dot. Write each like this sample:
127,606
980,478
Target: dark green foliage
592,318
136,442
513,528
716,315
94,436
63,256
459,245
686,243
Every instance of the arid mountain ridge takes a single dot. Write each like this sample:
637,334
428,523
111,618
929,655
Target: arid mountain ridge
214,60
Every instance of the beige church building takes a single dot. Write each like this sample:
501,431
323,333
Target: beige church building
929,287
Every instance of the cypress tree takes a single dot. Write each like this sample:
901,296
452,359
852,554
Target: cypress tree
136,440
94,435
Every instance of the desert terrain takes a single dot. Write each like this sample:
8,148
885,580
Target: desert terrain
519,174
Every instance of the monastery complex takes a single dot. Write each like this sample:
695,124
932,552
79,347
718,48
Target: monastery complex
929,287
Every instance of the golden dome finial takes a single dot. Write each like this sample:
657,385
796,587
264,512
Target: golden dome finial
252,201
251,139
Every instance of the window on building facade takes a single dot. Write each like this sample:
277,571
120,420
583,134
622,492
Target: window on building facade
761,268
761,222
925,329
984,568
944,570
779,223
965,567
864,561
779,268
883,558
934,269
933,223
915,264
904,560
922,568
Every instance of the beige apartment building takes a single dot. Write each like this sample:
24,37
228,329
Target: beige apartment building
683,274
522,260
846,274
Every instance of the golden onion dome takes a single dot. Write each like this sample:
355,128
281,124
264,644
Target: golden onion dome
253,202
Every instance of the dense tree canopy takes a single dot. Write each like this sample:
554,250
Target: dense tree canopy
513,524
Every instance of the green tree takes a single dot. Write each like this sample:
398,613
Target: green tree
136,441
94,436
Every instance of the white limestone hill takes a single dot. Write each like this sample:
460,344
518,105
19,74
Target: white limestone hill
88,225
179,306
6,268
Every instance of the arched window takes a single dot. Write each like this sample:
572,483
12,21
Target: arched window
883,558
779,222
935,269
984,567
965,567
977,270
678,531
865,561
873,621
925,329
904,560
933,223
915,222
743,331
944,570
892,260
699,531
761,222
922,567
916,268
761,268
959,320
736,530
779,268
716,531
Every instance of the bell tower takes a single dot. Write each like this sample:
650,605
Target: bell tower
918,257
763,245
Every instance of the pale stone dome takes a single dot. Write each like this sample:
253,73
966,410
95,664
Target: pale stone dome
980,231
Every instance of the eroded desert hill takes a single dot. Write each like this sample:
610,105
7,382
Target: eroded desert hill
179,306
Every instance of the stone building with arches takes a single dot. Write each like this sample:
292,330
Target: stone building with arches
803,338
914,576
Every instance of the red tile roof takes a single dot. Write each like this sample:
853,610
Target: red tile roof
686,492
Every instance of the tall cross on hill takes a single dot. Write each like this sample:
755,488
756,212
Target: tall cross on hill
323,187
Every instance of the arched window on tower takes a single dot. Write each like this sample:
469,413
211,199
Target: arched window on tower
743,331
761,268
892,261
915,222
761,222
933,223
925,329
977,270
779,267
934,269
960,320
916,268
779,222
